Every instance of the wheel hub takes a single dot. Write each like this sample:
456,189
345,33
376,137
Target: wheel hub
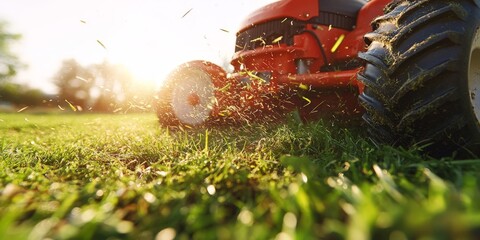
193,99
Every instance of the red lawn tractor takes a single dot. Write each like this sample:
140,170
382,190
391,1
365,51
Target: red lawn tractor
412,68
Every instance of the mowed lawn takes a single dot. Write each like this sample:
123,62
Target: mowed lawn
85,176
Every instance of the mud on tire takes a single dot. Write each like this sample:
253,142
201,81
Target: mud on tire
421,76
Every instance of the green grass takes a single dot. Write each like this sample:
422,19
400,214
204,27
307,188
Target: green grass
123,176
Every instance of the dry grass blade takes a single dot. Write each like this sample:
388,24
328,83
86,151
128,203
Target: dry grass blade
187,13
101,44
71,105
22,109
82,79
337,43
278,39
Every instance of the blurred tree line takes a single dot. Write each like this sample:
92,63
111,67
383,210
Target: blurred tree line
102,87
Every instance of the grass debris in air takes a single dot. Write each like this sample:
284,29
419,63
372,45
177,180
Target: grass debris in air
124,177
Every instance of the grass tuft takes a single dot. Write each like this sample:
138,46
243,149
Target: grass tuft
124,177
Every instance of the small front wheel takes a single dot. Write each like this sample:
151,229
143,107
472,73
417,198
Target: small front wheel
188,94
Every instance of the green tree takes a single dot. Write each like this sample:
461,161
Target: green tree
10,92
74,83
33,97
9,63
21,95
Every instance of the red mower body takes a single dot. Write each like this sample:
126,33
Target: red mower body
276,37
308,45
294,54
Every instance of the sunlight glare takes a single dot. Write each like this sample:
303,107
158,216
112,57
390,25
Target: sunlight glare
149,39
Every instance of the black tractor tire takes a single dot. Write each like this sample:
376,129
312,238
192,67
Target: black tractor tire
422,77
187,97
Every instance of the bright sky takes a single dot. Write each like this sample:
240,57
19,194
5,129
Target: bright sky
149,37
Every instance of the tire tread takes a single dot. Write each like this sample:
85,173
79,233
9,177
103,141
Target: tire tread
404,91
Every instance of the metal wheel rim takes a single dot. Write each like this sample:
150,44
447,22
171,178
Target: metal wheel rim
474,78
198,84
